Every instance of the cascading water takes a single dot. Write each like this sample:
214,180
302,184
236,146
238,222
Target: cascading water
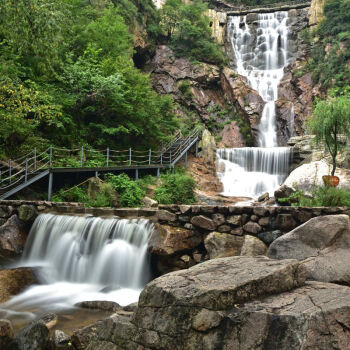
260,55
82,259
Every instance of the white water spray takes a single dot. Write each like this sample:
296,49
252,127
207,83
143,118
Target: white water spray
82,259
261,58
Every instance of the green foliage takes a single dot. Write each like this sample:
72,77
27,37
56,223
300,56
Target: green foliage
185,88
130,191
320,197
188,31
67,76
331,50
176,188
331,118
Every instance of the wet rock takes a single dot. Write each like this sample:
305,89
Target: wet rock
270,236
222,244
253,246
82,337
49,320
284,192
6,211
35,336
224,228
6,334
27,213
203,222
168,240
264,197
14,281
252,227
219,219
13,235
322,244
264,221
61,340
131,307
100,305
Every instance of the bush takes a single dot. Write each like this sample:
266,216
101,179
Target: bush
321,197
176,188
130,191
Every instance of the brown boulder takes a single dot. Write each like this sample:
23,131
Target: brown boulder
168,240
220,245
203,222
13,235
231,136
6,334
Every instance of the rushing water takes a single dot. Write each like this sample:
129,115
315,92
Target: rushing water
82,259
260,55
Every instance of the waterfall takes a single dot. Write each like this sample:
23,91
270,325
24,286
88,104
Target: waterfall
83,259
260,54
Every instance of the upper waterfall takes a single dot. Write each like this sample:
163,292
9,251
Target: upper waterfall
260,53
261,58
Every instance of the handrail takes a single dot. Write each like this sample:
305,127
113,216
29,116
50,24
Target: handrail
243,7
55,157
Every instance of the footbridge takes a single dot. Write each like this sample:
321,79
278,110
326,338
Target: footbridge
25,171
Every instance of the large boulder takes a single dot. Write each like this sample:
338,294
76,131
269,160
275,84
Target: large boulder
13,235
196,308
14,281
322,243
27,213
309,175
231,136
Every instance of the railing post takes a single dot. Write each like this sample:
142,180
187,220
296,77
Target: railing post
130,156
161,158
107,156
136,174
50,157
170,158
197,149
186,160
49,190
0,176
34,159
158,172
26,171
150,157
82,156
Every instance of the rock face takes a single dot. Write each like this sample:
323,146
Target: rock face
14,281
231,136
218,22
323,244
316,12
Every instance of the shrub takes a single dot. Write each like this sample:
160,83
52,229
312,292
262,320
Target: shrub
321,197
130,191
176,188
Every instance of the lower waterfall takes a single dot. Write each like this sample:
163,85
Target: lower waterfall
82,259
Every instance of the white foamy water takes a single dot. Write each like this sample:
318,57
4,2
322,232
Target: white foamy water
260,55
82,259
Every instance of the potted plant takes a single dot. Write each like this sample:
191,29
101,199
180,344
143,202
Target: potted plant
330,123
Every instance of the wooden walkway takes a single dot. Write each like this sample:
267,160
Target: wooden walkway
25,171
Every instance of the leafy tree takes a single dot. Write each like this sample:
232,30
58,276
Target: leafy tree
35,30
331,118
188,31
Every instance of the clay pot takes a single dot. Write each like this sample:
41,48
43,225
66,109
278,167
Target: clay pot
331,181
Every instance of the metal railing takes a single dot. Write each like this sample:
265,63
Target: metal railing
243,7
20,170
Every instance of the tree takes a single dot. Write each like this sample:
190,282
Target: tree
330,120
